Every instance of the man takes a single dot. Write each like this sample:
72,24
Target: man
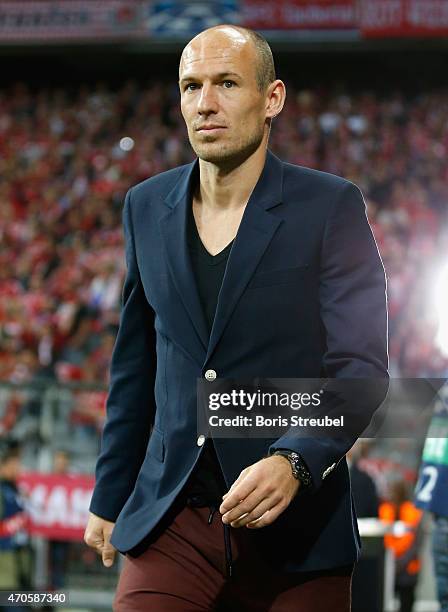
239,266
365,495
431,493
59,550
15,554
406,546
369,568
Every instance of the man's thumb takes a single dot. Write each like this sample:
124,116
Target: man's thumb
108,555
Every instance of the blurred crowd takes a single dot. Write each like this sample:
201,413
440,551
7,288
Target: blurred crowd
67,159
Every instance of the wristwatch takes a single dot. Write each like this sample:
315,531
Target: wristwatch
298,466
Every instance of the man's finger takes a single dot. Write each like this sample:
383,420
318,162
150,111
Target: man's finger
241,491
108,555
268,517
236,483
246,506
98,544
94,540
255,514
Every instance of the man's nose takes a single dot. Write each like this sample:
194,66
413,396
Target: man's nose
207,102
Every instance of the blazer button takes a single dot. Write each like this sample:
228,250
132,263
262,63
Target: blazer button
210,375
200,441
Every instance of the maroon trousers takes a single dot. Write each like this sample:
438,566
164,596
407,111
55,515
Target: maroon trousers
185,569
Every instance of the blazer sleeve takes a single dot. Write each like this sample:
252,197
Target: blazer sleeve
353,311
130,406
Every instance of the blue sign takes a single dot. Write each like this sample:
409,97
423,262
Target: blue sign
181,19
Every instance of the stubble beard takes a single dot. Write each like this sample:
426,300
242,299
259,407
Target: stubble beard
227,153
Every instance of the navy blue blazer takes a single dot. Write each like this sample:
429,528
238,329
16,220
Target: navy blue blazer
303,294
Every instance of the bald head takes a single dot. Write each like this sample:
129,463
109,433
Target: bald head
251,43
229,93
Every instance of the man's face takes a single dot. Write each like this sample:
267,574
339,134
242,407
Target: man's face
11,468
220,101
60,463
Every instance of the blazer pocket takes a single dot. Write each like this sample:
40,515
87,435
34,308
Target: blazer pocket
277,277
156,445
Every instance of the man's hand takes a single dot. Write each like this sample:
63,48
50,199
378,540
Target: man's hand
260,493
97,536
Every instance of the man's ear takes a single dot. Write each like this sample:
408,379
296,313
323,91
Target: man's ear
276,96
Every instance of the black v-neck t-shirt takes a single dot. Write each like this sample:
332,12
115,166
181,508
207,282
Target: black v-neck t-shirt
207,479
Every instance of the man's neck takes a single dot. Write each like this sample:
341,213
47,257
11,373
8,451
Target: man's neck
229,188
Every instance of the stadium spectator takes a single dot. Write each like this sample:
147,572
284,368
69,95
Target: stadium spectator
404,541
15,556
432,491
59,550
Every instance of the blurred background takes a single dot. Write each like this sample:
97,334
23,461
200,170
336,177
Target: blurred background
89,105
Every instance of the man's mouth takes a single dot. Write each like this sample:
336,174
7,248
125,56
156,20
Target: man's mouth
210,128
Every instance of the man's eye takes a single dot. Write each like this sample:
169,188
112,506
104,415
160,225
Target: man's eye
228,84
191,86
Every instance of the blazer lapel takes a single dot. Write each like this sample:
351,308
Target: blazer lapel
173,228
254,234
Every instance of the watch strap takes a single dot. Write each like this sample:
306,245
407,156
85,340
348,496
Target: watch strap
299,468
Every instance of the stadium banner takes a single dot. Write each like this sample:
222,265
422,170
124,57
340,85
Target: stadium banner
299,14
57,505
403,18
28,21
182,19
100,21
379,19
